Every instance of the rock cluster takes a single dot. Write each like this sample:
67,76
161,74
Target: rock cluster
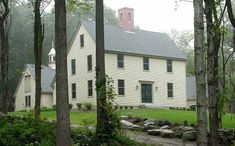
172,130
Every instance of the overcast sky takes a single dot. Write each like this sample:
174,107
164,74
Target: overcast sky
158,15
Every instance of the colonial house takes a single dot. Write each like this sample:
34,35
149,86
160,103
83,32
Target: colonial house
147,67
25,92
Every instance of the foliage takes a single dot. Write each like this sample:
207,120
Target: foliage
88,106
16,131
79,106
112,125
70,106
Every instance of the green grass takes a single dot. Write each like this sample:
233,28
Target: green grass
158,114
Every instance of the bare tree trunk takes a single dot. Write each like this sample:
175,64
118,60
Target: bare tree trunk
4,46
38,40
200,71
100,67
63,137
213,43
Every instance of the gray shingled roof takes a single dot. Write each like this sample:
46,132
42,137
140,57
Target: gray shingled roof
138,42
47,76
191,87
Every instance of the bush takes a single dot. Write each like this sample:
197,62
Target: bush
54,106
88,106
185,122
70,106
193,107
79,105
16,131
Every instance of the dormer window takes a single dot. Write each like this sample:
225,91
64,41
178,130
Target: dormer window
82,40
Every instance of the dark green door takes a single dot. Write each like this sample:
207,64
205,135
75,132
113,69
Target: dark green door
146,93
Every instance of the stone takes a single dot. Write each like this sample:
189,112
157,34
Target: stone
186,128
146,124
126,124
163,132
189,136
149,127
167,133
137,127
155,132
165,127
124,117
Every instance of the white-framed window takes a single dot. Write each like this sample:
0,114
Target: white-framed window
73,66
28,101
90,88
121,87
145,63
120,60
170,90
82,40
169,65
73,90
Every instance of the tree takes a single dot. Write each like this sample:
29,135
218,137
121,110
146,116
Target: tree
100,68
4,51
213,25
62,102
200,72
38,40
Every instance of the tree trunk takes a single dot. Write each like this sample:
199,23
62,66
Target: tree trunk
100,67
63,137
38,40
213,43
200,71
4,67
4,46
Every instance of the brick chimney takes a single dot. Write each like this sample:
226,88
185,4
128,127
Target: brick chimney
126,18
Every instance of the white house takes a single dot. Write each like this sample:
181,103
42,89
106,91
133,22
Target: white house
25,92
147,67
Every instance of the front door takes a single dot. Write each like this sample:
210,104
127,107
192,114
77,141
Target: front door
146,93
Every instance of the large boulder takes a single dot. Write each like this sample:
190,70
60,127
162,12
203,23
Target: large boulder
189,136
166,127
181,130
155,132
126,124
167,133
162,132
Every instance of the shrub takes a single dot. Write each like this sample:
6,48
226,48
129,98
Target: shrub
193,107
79,105
131,107
185,122
70,106
88,106
142,106
54,106
126,107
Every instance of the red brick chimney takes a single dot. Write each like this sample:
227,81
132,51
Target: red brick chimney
126,18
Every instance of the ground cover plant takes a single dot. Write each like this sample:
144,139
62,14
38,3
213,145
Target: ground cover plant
177,116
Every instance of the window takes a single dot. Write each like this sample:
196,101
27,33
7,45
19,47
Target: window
27,83
28,101
90,86
129,16
74,90
82,40
146,63
73,66
120,61
170,89
89,63
121,87
53,58
169,65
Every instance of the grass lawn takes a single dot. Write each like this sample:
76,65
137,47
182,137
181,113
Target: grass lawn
158,114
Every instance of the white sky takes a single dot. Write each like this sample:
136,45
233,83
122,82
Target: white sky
158,15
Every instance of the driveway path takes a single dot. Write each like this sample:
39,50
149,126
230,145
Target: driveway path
156,140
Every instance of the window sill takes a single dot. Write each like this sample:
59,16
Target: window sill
89,71
74,99
170,97
120,68
90,96
169,72
146,70
121,95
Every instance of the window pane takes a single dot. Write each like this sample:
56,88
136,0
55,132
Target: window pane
89,63
169,65
82,40
121,87
120,60
170,89
90,88
73,66
146,63
74,90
